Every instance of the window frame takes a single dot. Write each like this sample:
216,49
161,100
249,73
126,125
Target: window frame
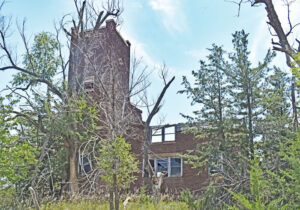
161,131
170,167
169,159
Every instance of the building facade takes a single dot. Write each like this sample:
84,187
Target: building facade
100,65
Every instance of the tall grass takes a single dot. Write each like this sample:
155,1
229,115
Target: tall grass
95,205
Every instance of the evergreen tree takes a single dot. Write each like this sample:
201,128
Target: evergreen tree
247,85
210,93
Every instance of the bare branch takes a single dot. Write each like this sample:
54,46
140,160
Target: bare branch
157,104
98,22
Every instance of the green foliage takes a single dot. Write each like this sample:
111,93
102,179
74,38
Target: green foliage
46,124
296,67
17,157
260,192
207,200
237,103
115,159
42,59
143,194
209,91
188,198
247,84
76,119
290,172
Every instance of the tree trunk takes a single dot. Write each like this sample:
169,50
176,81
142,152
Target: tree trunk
111,199
146,152
250,124
74,188
116,192
295,117
153,112
276,25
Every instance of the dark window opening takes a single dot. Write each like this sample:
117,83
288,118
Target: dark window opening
85,164
88,84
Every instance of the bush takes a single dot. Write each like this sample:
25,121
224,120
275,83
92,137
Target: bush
189,199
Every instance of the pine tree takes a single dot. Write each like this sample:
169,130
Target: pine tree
210,93
247,84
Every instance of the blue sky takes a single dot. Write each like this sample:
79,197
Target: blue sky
176,32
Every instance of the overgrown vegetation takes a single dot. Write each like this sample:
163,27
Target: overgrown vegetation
48,124
89,205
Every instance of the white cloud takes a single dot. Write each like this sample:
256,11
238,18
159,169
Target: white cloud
140,52
171,13
261,41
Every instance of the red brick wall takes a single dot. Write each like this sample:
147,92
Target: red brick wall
189,178
101,53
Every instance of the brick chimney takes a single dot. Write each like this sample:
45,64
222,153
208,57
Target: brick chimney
111,24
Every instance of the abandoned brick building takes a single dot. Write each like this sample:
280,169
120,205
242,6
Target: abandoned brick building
101,59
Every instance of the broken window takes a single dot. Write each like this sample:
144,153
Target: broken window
152,163
85,164
170,165
88,84
163,134
162,165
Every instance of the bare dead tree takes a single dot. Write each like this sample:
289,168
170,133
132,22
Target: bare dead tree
148,170
283,44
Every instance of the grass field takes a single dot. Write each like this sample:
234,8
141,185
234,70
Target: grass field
95,205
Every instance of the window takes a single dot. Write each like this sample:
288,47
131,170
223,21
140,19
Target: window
170,133
162,165
88,84
170,165
216,165
85,164
164,134
175,167
156,135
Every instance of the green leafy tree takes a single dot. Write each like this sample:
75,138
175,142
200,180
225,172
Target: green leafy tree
117,165
41,59
17,158
48,117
